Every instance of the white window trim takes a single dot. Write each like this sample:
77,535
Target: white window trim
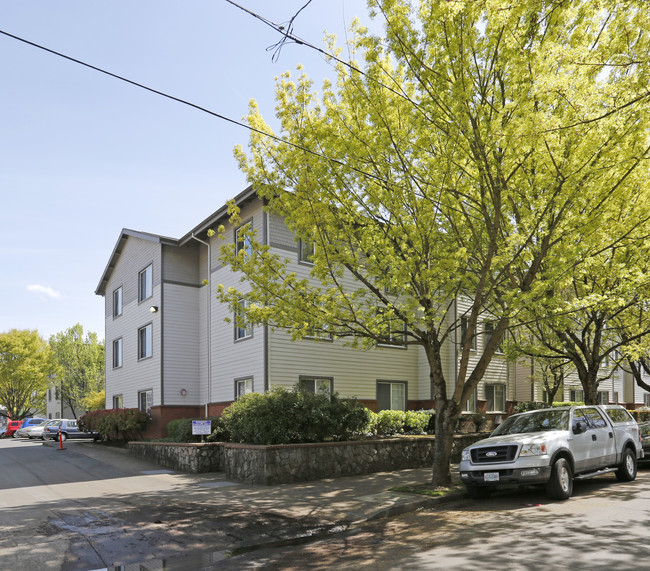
242,333
148,293
505,397
244,243
321,384
404,384
248,386
149,327
301,258
118,307
118,344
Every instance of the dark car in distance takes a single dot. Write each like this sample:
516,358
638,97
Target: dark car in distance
68,429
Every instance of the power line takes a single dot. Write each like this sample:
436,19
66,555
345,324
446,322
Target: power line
190,104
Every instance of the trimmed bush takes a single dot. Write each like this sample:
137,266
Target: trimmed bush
388,422
180,429
641,414
121,424
285,417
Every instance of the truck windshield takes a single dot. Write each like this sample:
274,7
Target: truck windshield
534,422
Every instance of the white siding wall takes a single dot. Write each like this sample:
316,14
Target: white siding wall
134,375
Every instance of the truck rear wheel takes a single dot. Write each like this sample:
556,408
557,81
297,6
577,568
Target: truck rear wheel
560,485
627,468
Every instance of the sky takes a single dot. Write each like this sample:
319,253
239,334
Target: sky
83,155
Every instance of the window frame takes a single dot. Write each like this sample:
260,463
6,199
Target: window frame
245,381
147,327
392,383
118,399
393,341
241,333
464,327
118,302
148,400
488,331
494,386
302,245
245,242
303,380
118,351
145,283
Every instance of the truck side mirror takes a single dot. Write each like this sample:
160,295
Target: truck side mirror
579,427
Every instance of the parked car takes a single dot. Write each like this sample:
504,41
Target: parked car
69,429
2,431
26,425
552,447
37,431
12,426
644,429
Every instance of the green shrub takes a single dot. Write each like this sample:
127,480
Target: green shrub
180,429
284,416
641,414
525,406
388,422
120,424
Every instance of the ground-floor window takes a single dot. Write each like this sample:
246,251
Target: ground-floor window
495,397
117,401
603,397
243,386
316,385
391,395
646,399
576,395
470,404
145,400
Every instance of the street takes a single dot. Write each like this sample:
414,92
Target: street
73,511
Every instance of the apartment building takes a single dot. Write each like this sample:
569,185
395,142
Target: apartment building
171,352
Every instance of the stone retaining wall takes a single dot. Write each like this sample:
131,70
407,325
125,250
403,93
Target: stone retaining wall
298,462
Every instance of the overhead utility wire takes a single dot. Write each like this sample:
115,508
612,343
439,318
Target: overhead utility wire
194,105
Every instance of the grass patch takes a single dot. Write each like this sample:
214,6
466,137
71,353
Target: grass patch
428,490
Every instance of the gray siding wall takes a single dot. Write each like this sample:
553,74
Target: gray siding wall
134,375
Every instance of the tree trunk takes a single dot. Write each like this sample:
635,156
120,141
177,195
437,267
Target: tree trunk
445,423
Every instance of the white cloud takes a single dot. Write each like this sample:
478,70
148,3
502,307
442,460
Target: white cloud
44,290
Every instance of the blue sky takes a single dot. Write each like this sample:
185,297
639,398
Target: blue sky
83,155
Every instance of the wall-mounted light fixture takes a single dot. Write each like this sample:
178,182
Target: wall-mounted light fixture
183,392
153,309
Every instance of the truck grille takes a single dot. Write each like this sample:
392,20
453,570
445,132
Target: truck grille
506,453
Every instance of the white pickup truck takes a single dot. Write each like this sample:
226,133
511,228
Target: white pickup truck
554,446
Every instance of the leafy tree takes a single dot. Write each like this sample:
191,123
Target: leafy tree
596,322
80,365
478,151
25,363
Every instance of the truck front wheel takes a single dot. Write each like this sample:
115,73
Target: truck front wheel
560,485
627,468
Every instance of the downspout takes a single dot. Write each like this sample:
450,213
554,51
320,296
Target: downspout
209,319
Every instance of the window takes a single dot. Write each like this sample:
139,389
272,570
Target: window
603,397
243,386
117,302
145,341
464,326
244,242
117,401
470,405
488,331
117,353
393,329
391,395
242,330
615,399
576,395
646,399
145,283
495,396
49,395
596,419
316,385
306,251
145,400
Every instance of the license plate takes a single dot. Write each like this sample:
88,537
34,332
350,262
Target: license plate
491,477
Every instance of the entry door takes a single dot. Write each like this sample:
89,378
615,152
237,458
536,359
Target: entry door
582,443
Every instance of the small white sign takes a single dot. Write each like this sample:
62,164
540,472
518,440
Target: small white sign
201,427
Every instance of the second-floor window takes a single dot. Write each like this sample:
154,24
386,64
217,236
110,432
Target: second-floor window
244,242
464,327
117,302
306,250
145,341
117,353
145,283
488,331
242,330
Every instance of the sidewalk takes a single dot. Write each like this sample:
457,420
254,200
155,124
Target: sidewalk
286,514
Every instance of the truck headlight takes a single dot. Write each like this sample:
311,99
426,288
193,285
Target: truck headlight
465,456
533,450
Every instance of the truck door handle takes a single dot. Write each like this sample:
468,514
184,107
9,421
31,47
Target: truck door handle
594,437
611,435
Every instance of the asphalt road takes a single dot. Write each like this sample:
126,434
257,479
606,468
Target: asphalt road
71,511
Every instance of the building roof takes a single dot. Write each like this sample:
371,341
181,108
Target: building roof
126,233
